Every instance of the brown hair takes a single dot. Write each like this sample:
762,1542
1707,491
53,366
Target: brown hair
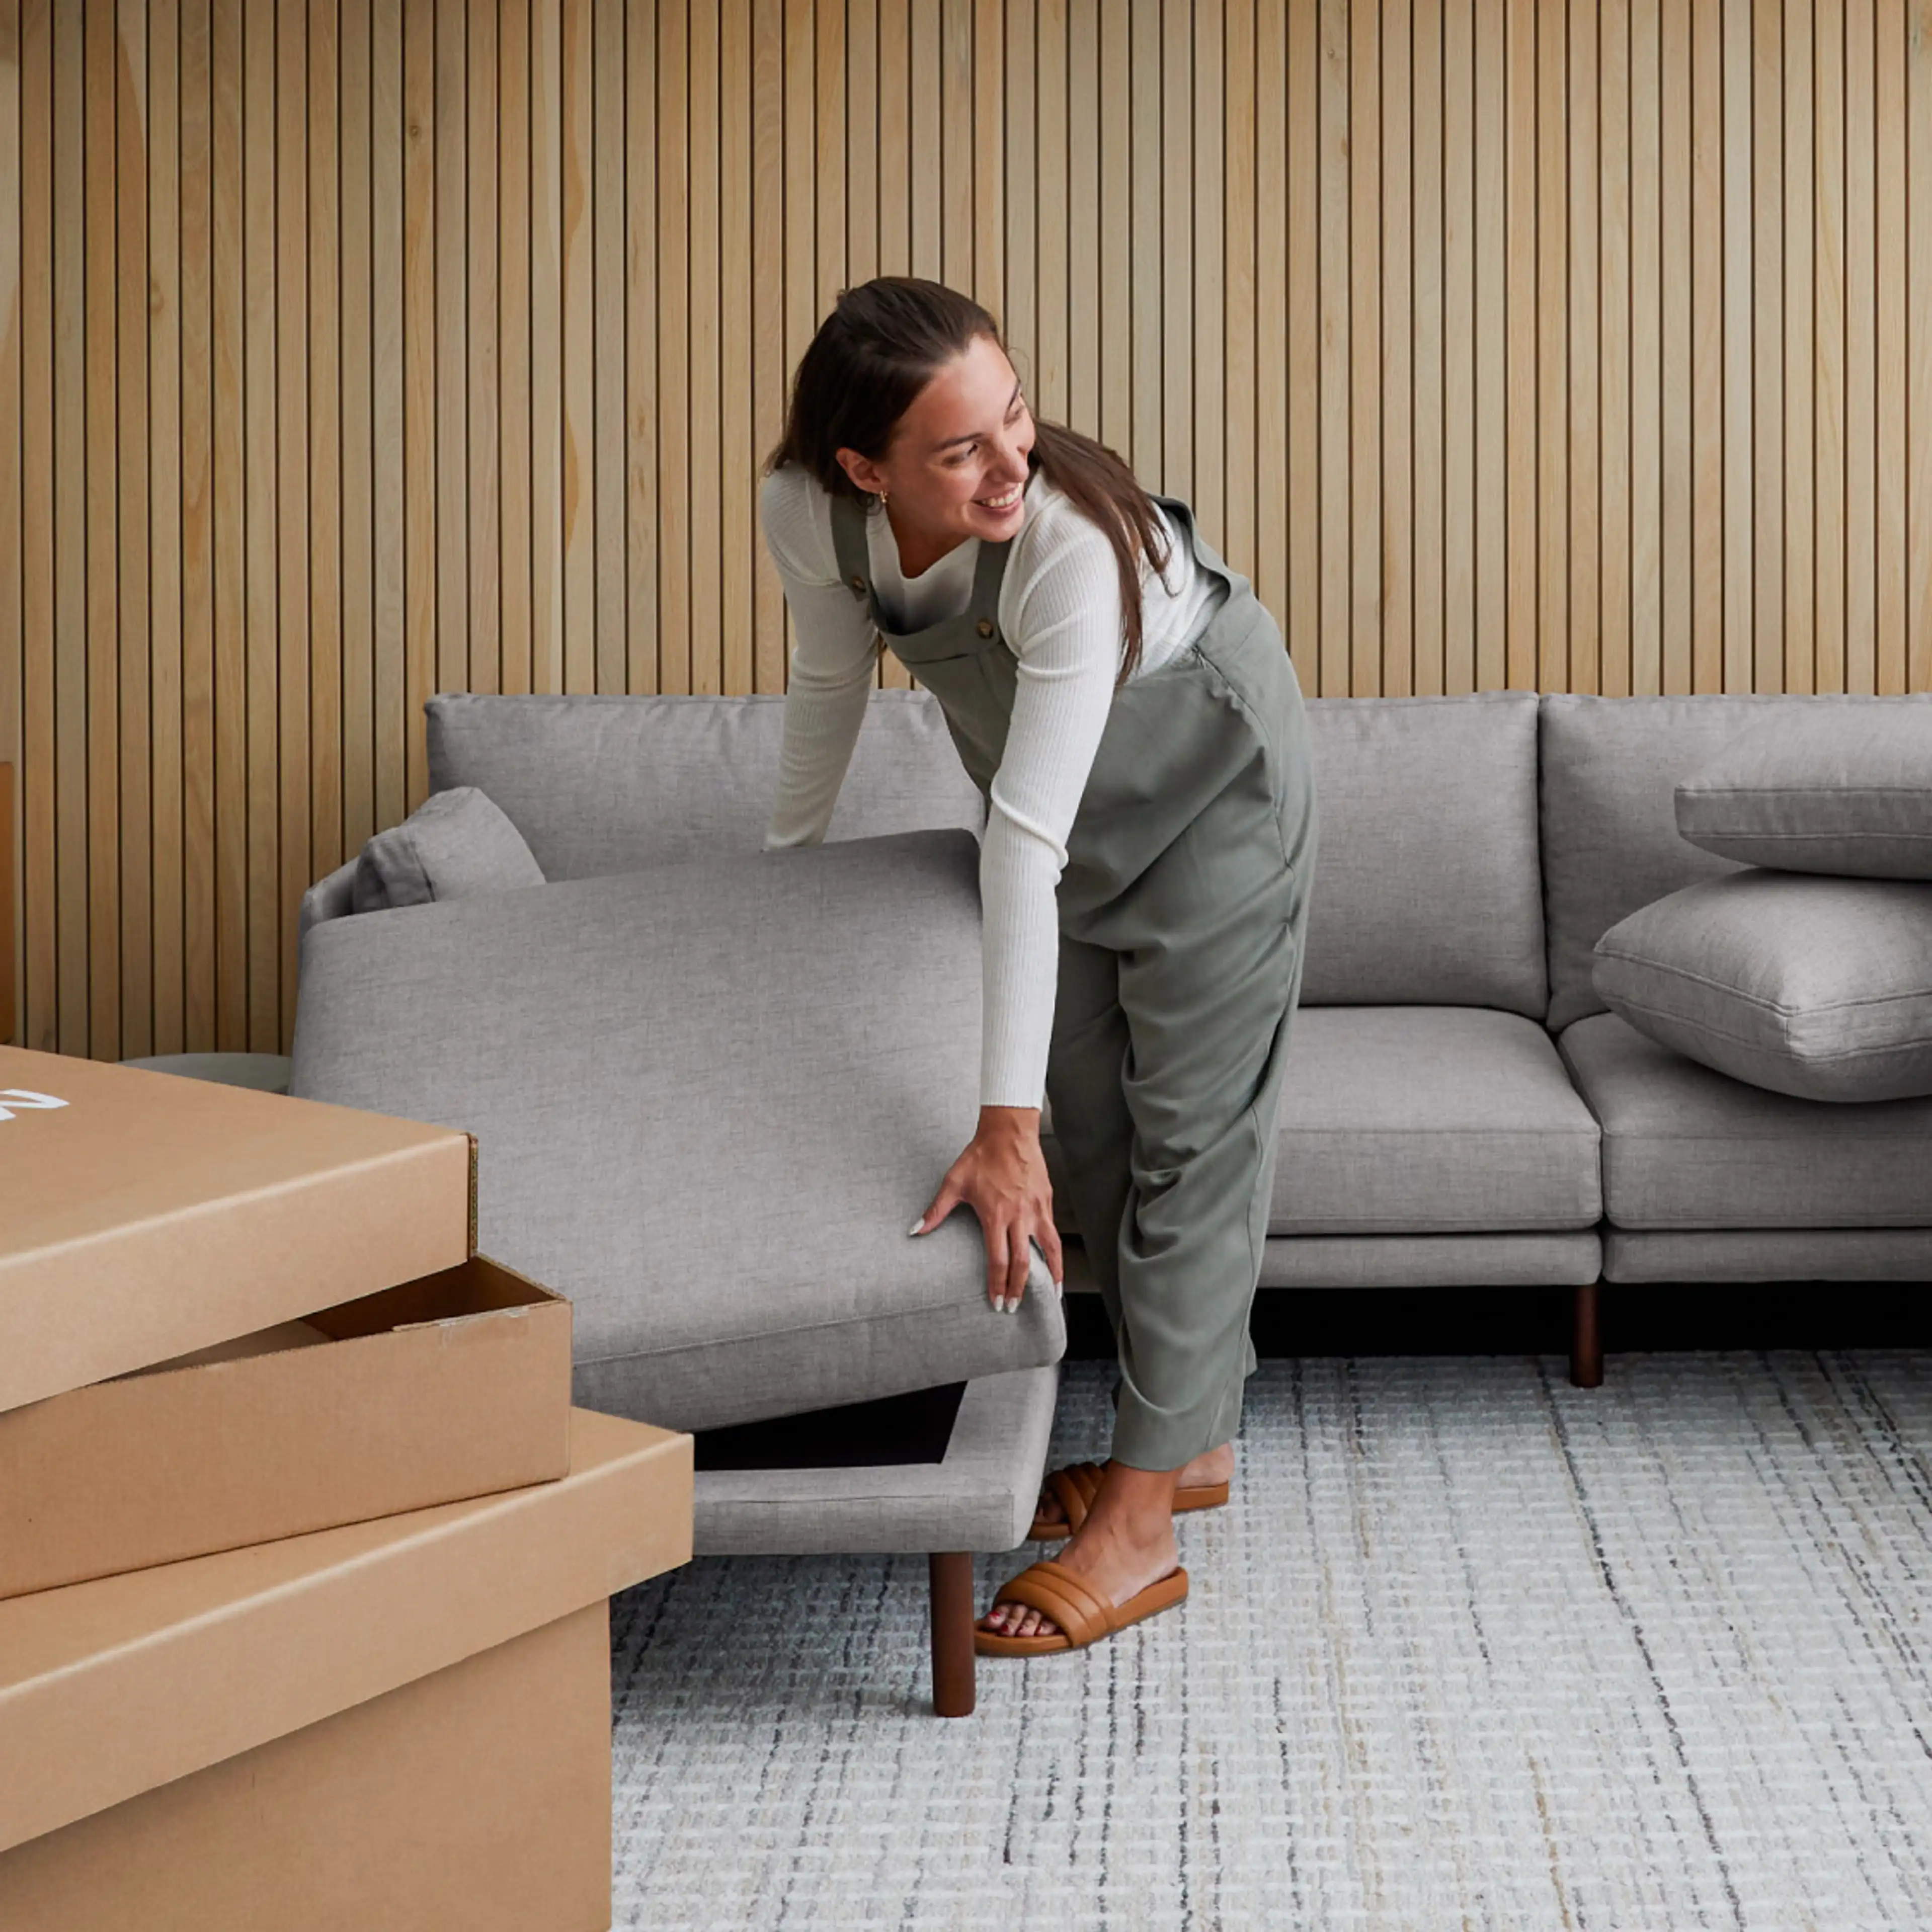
879,347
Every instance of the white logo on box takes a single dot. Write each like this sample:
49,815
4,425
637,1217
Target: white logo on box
24,1099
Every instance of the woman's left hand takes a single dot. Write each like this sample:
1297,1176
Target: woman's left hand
1003,1175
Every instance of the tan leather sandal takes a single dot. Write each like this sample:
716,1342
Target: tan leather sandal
1077,1485
1083,1615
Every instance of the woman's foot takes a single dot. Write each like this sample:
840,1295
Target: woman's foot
1126,1543
1211,1465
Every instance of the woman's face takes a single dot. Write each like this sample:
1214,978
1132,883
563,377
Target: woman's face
960,446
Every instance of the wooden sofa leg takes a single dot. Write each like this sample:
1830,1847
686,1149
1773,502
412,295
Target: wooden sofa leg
1586,1343
952,1633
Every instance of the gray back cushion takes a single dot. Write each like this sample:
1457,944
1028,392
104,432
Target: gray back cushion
455,844
710,1100
1611,767
599,785
1427,889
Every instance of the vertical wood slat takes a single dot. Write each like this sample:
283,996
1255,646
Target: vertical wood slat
607,149
1889,121
37,995
134,889
293,469
325,503
1917,669
640,375
12,656
1829,422
577,480
385,249
1518,398
359,819
700,479
199,928
450,160
419,391
1672,411
1391,549
513,342
260,508
1427,443
1086,351
1489,325
482,341
545,98
370,347
1796,594
1861,355
100,435
1618,330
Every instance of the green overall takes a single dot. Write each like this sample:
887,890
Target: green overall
1183,905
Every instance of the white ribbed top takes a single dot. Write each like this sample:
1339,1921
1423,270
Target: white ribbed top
1059,615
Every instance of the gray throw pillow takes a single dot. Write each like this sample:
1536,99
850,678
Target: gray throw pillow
1819,988
1846,789
455,845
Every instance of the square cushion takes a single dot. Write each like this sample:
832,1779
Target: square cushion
1419,1120
1610,767
454,845
710,1100
598,784
1817,987
1848,792
1686,1147
1427,890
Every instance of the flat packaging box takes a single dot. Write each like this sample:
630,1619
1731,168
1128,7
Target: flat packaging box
145,1215
399,1724
454,1385
476,1799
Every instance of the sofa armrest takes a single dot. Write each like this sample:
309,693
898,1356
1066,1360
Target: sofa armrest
327,899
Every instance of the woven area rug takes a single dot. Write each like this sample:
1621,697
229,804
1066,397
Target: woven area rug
1469,1647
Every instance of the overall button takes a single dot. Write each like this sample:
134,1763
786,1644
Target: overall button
858,583
985,627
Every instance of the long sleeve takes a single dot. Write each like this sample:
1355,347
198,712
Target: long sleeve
831,677
1061,602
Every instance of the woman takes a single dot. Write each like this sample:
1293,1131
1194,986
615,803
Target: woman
1124,701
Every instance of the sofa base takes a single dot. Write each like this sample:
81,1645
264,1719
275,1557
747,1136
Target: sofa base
979,1496
1767,1254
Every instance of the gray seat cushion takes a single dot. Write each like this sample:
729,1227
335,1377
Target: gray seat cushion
601,784
1427,890
1686,1147
710,1100
1610,770
1816,987
1420,1119
1838,790
455,844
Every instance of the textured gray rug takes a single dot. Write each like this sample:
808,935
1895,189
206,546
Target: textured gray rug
1469,1648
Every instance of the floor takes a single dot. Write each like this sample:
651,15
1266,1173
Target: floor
1469,1647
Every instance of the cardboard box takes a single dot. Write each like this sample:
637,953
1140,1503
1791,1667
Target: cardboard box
452,1386
121,1687
476,1799
144,1215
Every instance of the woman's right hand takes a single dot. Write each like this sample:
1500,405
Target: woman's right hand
1002,1174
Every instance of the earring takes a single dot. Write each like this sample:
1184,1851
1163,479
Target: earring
882,499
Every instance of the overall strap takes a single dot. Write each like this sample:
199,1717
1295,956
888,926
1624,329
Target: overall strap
987,574
848,543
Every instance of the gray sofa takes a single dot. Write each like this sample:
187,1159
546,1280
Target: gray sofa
713,1085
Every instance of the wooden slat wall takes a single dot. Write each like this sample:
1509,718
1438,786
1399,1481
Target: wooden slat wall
353,349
